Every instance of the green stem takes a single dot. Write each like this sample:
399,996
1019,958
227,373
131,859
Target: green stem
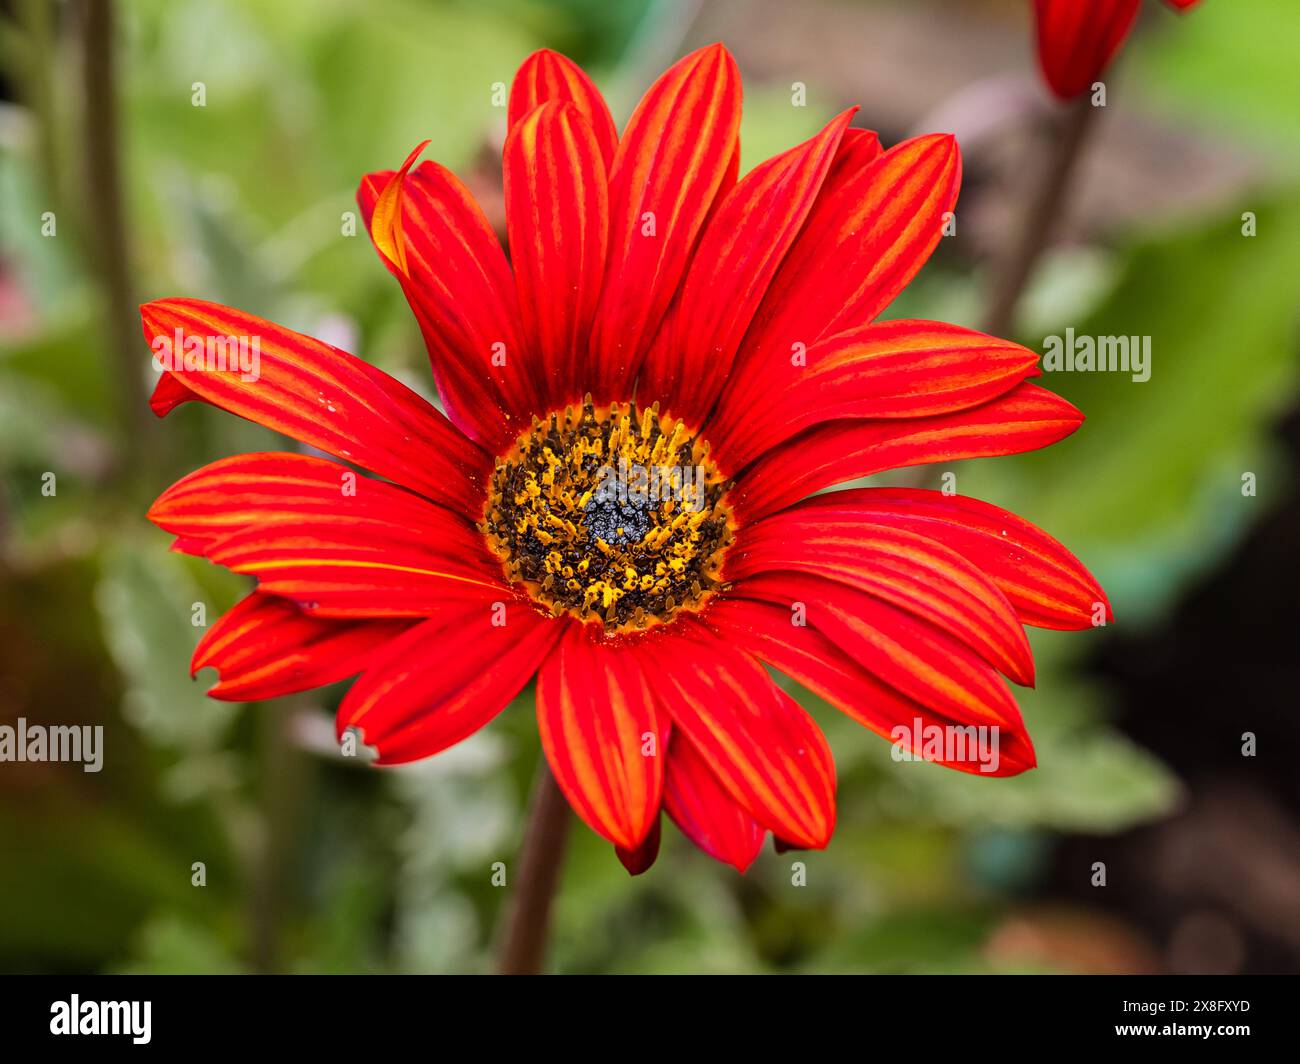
106,221
285,774
30,50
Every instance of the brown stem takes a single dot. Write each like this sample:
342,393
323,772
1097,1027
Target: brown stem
106,216
1044,211
524,946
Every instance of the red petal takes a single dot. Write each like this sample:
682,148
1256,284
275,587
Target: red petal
703,810
859,149
862,243
766,750
671,163
359,567
168,393
909,655
738,255
558,212
265,647
603,737
337,543
444,679
728,183
807,656
1078,38
1048,586
1026,418
890,369
232,494
196,546
911,571
324,398
546,75
640,859
454,273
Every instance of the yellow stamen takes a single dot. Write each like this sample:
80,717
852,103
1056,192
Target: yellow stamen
614,515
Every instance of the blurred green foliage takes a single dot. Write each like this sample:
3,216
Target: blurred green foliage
314,865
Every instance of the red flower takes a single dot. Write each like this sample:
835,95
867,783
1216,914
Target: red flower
1077,39
659,315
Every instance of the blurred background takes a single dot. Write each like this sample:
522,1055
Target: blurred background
212,148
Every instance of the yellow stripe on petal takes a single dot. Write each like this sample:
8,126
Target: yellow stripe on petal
386,222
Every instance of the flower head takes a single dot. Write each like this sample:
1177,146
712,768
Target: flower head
1077,39
640,405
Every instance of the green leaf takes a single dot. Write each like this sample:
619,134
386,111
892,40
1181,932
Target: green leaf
172,945
1224,64
146,599
1089,778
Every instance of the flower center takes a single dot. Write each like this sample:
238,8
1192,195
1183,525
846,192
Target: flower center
610,514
